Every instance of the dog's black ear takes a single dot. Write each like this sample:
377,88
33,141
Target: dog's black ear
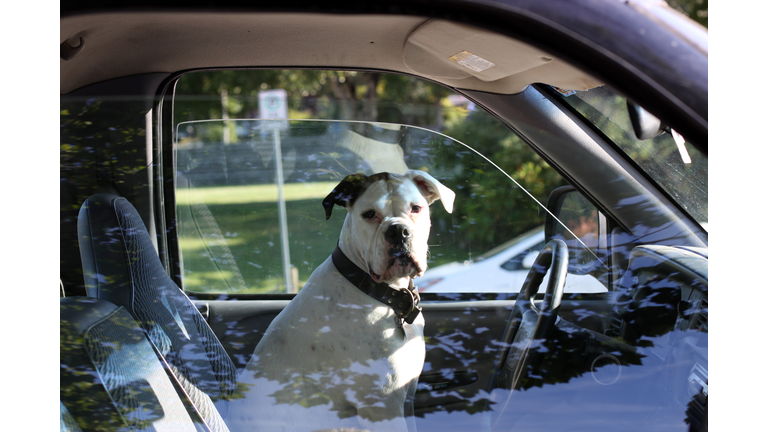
345,193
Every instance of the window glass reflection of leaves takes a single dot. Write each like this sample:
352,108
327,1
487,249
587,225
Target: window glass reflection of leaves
659,157
102,142
491,209
101,138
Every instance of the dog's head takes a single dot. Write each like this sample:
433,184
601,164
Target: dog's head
387,225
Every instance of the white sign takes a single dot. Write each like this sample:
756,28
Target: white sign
273,105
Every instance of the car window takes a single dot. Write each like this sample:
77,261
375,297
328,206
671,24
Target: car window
249,190
102,149
678,168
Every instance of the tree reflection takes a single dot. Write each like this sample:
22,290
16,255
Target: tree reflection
642,365
102,146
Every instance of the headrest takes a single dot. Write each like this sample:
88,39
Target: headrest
113,238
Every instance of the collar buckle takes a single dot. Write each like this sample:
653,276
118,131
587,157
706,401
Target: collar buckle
411,313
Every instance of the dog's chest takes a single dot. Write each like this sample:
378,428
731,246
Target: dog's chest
348,314
333,323
379,348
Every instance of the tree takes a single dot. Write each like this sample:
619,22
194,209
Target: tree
697,10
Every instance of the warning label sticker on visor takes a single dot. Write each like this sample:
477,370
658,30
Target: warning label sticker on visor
471,61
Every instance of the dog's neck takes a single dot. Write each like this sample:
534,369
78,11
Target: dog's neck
404,302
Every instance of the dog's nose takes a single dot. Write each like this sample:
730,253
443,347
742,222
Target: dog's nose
397,234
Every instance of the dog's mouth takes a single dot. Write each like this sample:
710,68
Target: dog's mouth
376,277
400,265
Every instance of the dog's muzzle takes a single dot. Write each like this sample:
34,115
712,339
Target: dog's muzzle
399,236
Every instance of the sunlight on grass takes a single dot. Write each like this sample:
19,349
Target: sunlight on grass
253,193
196,244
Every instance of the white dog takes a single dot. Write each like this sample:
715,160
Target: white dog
347,351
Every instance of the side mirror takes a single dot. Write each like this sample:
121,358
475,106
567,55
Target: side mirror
575,220
645,124
529,259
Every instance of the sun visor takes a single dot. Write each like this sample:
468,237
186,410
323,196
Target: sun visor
445,50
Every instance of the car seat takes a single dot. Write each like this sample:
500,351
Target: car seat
110,377
121,265
66,421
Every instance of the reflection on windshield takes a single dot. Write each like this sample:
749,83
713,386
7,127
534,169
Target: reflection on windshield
634,359
625,354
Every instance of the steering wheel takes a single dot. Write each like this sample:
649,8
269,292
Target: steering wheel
527,322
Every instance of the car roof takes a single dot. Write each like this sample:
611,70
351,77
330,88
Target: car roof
659,63
169,42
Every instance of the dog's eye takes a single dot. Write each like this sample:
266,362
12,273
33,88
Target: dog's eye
370,214
415,209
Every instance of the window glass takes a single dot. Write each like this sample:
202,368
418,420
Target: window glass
102,148
245,229
677,167
635,359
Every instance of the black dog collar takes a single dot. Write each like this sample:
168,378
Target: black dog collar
405,302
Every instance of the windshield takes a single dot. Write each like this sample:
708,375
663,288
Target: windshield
678,168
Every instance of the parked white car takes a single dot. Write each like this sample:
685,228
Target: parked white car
502,269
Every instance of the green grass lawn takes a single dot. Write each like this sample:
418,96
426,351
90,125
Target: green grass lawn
248,224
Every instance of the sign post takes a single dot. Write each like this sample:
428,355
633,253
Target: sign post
273,106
